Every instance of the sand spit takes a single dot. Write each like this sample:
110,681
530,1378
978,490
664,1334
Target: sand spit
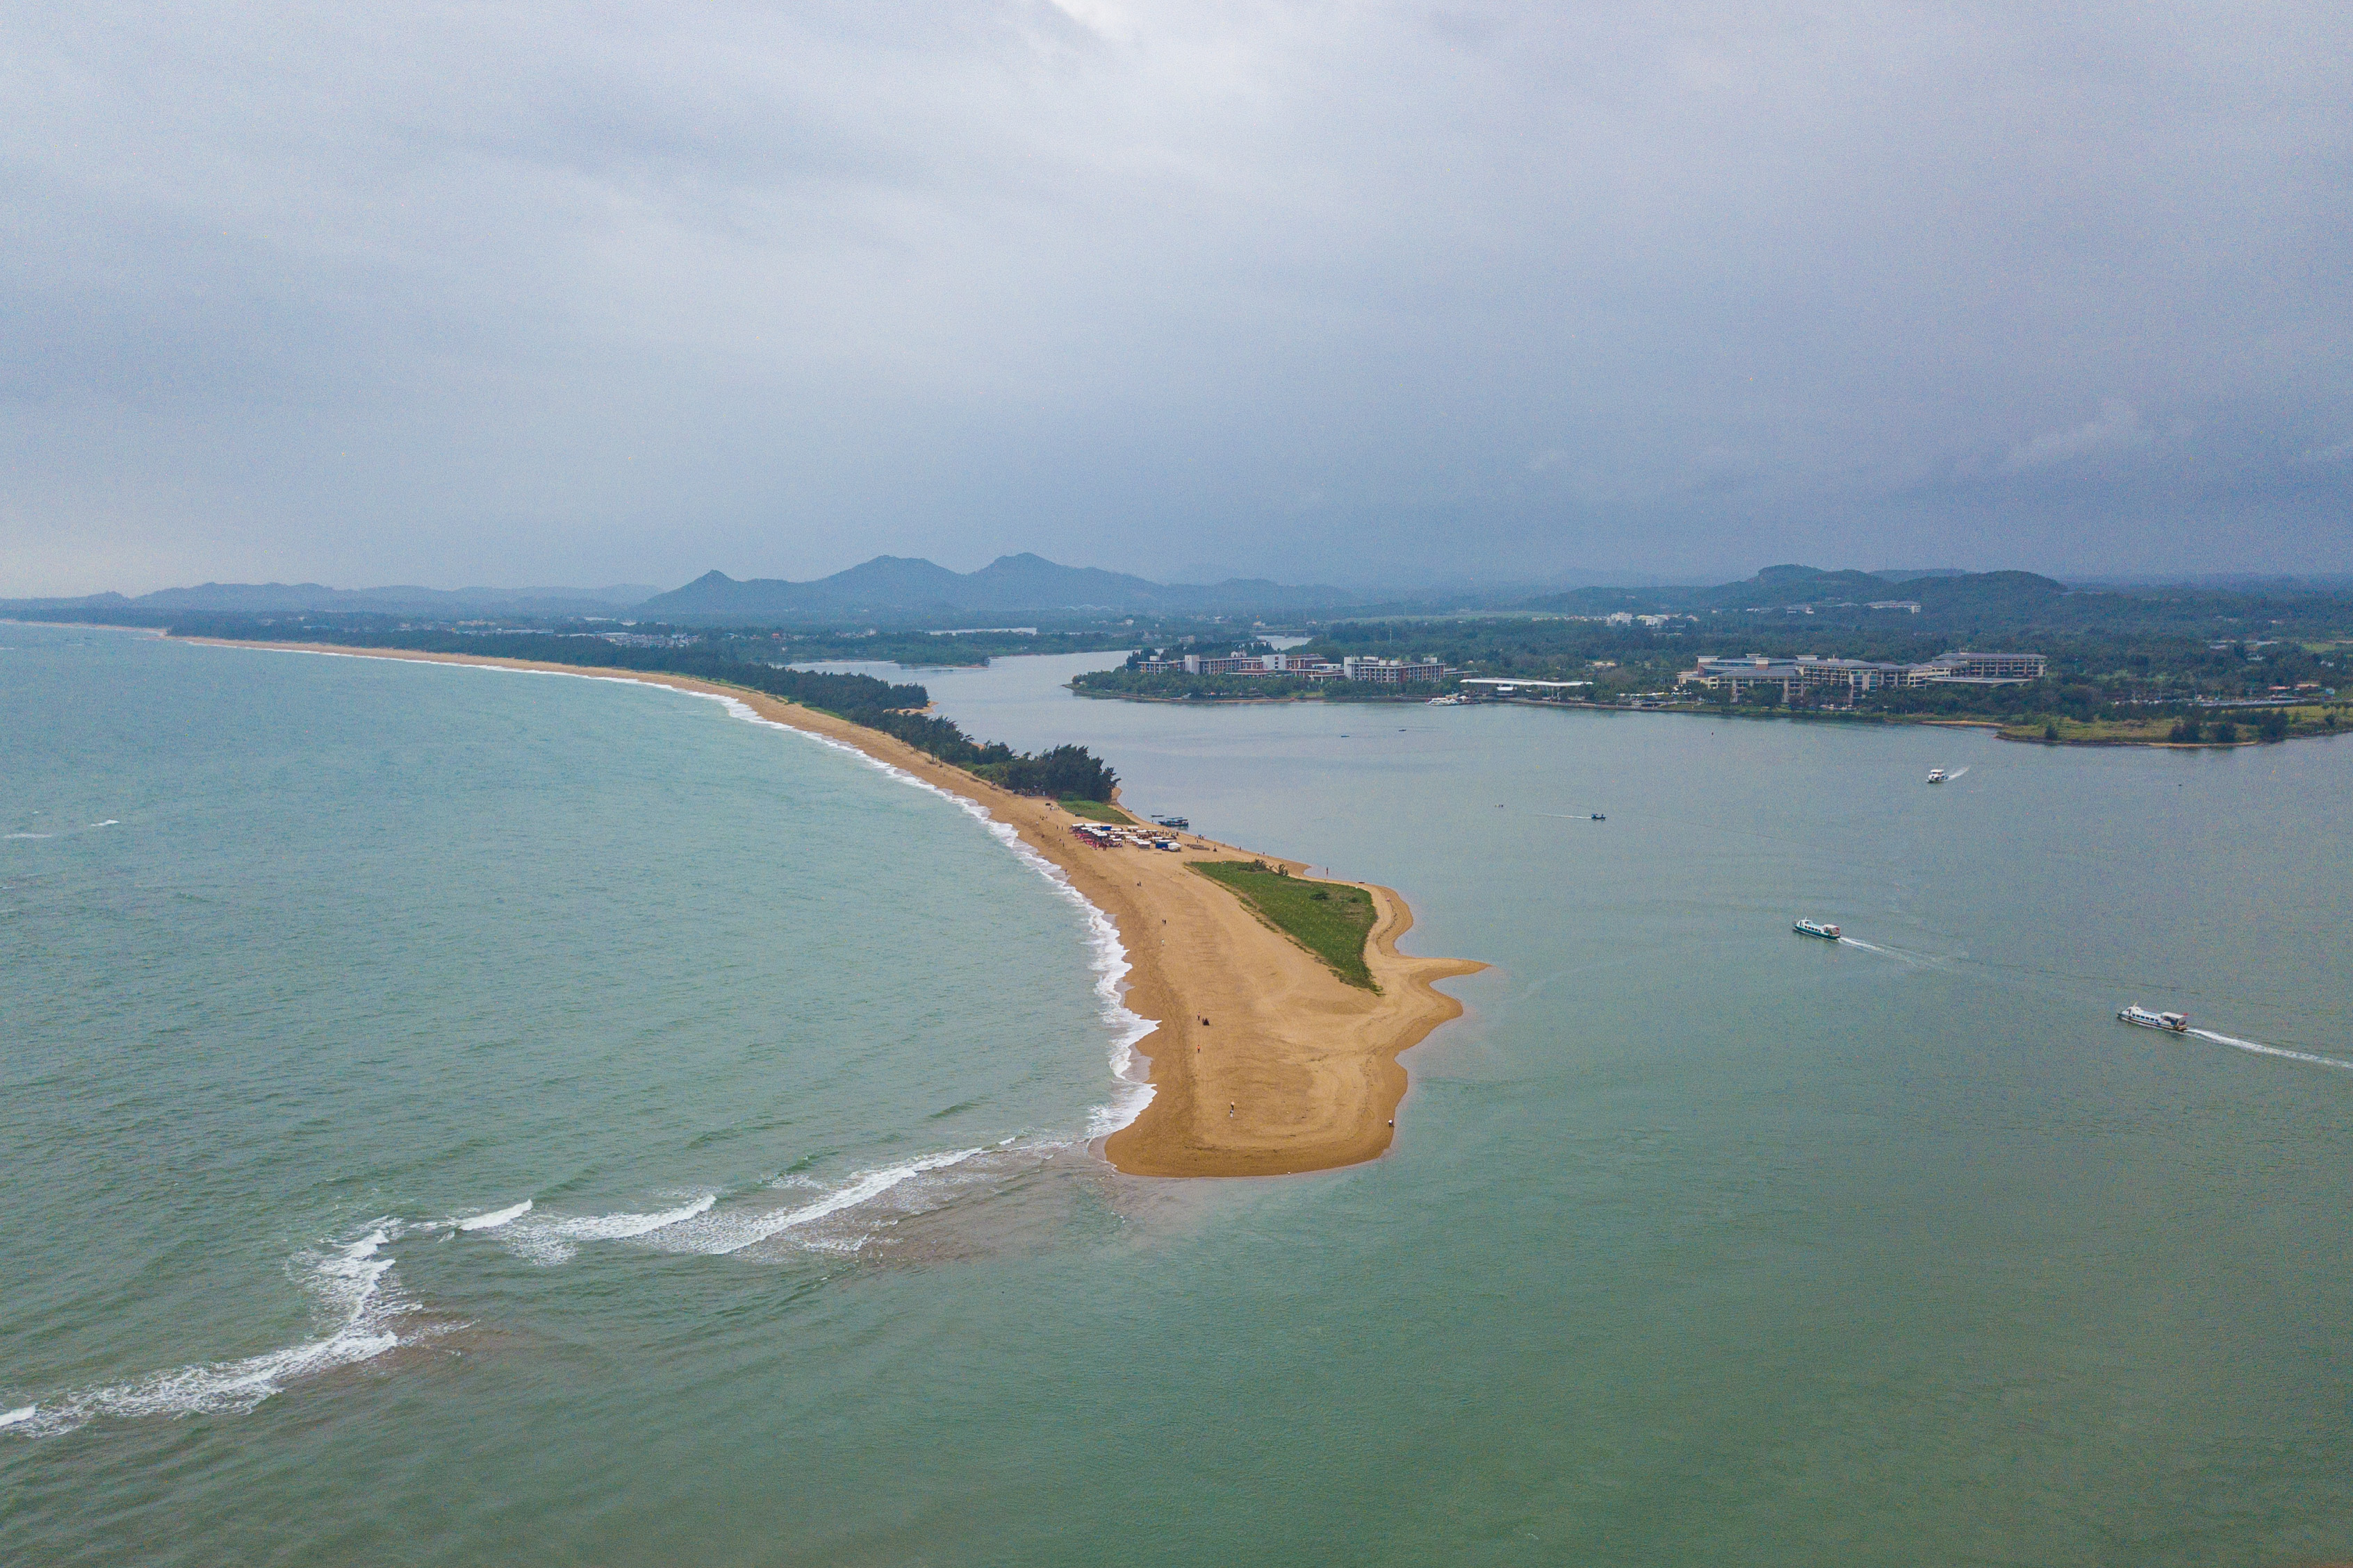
1263,1062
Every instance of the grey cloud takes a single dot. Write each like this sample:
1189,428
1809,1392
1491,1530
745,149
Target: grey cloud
534,293
2117,430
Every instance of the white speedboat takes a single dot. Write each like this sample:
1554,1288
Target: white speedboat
1936,775
2171,1023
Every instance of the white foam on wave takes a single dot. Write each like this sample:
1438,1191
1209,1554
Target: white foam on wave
353,1284
1106,955
552,1239
28,836
496,1217
721,1234
2261,1050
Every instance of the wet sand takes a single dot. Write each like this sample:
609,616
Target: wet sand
1263,1062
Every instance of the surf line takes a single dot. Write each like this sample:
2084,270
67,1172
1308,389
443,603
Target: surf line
1107,955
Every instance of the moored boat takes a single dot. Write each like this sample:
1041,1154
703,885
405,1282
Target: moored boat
2171,1023
1823,929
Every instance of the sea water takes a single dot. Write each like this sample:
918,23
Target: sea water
1700,1240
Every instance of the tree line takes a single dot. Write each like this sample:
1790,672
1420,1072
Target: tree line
893,708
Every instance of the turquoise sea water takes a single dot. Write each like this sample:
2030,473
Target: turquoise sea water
1701,1242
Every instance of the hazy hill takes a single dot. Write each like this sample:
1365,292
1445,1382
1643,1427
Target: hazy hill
896,587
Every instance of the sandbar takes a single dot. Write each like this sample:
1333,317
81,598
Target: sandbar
1263,1062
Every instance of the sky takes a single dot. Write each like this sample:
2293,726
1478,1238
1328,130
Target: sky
1359,293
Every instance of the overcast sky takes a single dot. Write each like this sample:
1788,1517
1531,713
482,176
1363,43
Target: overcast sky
541,294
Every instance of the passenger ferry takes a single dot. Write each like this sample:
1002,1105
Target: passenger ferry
2171,1023
1823,929
1936,775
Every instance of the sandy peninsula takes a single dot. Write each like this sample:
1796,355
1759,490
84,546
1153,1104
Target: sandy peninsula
1263,1062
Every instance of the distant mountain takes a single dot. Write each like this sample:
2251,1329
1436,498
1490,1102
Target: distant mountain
898,587
263,598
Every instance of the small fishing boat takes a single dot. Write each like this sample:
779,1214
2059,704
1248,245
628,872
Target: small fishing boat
2171,1023
1936,775
1823,929
1598,818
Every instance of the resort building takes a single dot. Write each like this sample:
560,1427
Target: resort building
1392,671
1993,666
1854,676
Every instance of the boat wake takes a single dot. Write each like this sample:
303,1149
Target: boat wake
1897,954
2261,1050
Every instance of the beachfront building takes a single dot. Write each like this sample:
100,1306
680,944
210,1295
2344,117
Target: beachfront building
1852,678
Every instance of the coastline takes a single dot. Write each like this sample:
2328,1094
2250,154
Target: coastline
1293,1070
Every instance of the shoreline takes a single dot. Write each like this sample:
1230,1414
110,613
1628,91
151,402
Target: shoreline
1293,1070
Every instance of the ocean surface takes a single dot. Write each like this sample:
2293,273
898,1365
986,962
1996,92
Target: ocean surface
1701,1242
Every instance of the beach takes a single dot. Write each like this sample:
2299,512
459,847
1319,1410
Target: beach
1263,1062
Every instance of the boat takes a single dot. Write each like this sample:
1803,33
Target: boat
2171,1023
1823,929
1176,822
1598,818
1936,775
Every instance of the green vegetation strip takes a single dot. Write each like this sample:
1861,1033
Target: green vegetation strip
1330,920
1097,811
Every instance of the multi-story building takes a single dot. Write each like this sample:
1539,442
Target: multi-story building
1993,666
1391,672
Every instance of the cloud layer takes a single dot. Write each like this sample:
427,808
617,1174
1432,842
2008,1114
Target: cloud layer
585,293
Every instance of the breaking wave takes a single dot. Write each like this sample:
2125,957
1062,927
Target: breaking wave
551,1240
354,1288
721,1234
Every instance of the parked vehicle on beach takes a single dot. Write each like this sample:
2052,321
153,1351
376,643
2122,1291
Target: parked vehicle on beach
2171,1023
1823,929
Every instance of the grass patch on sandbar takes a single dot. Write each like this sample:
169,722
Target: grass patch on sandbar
1097,811
1330,920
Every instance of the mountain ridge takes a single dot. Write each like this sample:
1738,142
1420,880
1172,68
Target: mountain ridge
1024,584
